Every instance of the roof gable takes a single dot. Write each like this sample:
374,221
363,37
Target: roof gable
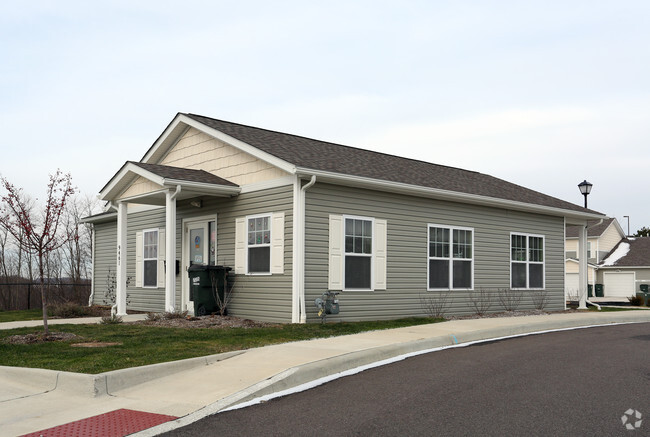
638,254
594,229
324,156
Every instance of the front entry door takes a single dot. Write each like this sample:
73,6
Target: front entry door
198,248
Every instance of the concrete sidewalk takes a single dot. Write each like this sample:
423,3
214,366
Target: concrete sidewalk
35,399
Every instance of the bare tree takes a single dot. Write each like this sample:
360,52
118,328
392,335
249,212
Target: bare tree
38,236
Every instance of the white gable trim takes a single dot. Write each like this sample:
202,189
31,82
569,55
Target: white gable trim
161,146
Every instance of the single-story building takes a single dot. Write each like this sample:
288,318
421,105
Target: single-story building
625,268
294,217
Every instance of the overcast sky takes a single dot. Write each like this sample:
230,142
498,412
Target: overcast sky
543,94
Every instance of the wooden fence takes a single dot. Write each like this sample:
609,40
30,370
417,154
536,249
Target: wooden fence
27,295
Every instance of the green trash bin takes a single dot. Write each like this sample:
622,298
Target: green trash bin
590,290
644,288
600,292
201,288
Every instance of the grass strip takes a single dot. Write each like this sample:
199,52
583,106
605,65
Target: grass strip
140,345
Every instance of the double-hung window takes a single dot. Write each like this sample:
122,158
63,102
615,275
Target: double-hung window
451,258
259,244
526,261
358,253
150,258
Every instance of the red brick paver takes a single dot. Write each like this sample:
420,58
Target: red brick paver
116,423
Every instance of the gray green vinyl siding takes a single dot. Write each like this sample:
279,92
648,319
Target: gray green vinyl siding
266,298
407,239
105,257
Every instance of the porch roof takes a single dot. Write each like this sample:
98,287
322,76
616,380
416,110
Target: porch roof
186,182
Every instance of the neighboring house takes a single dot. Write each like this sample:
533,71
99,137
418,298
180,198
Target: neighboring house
602,237
626,267
295,217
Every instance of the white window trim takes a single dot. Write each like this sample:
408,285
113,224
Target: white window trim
451,256
371,255
144,233
248,245
528,262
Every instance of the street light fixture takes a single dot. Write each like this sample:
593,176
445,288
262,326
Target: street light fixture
585,189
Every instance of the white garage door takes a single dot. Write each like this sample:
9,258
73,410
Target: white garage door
571,284
618,284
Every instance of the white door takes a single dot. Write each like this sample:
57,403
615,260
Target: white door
196,250
618,284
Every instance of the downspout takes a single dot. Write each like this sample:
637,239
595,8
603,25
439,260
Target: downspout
301,273
92,268
587,300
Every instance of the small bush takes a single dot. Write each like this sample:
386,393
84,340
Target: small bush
635,301
175,315
435,304
154,317
111,320
69,310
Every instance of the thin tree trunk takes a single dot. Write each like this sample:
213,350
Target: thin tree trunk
43,299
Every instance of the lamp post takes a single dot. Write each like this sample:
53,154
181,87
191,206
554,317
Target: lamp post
585,189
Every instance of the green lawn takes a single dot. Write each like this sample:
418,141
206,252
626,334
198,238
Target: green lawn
19,316
141,345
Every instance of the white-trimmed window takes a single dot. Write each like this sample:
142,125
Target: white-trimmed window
358,248
526,261
450,258
150,258
259,243
357,253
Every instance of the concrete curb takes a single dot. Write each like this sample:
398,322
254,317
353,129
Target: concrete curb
303,374
103,384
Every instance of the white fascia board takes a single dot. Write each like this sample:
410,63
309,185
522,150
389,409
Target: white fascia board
238,144
573,260
113,189
202,187
623,267
618,227
163,139
100,218
415,190
265,185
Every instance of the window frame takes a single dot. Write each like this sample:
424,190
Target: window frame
345,253
450,258
269,244
528,262
145,259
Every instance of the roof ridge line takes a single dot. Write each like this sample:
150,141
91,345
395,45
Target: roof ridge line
332,143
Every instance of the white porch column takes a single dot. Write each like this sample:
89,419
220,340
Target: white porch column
582,267
120,276
170,251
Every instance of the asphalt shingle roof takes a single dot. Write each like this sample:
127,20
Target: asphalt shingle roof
184,174
638,256
324,156
595,231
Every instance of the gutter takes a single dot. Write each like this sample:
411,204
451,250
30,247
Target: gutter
415,190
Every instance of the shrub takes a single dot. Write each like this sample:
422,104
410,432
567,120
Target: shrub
635,301
69,310
510,299
175,315
435,304
111,320
154,317
480,300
